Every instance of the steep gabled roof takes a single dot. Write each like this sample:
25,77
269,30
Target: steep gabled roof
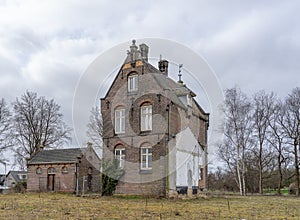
173,89
69,155
15,175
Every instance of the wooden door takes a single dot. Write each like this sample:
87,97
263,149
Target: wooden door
51,182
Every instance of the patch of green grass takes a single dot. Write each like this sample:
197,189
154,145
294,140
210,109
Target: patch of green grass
67,206
284,191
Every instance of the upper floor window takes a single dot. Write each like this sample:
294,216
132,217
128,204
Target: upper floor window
132,83
146,118
120,156
146,157
120,121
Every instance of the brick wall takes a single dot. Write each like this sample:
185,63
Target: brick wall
134,180
63,182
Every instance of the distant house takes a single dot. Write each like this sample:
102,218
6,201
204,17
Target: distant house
155,128
64,170
2,178
15,177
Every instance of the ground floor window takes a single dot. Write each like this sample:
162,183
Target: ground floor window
146,158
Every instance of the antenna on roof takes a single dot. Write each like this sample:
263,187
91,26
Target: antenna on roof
160,57
179,74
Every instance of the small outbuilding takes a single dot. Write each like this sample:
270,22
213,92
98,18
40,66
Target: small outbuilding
15,177
64,170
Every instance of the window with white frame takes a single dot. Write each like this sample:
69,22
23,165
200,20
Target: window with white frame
120,121
120,156
146,118
146,158
132,83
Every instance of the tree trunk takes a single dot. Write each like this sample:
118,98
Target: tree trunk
239,177
279,174
260,181
243,179
296,168
239,171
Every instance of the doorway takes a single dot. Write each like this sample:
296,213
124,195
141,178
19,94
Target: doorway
51,182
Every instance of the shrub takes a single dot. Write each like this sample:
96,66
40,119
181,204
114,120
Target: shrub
110,176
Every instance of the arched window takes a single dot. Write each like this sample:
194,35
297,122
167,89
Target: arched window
146,156
132,82
38,170
120,120
51,170
64,170
120,155
146,117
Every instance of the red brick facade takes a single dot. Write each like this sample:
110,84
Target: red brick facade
64,176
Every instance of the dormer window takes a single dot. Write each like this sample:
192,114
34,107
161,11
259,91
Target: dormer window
132,83
187,100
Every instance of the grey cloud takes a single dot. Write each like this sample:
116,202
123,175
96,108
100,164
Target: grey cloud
46,46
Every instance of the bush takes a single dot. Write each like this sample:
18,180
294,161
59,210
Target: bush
20,187
110,176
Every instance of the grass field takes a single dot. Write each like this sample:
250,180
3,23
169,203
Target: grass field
66,206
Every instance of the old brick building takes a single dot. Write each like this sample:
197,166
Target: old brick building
155,128
64,170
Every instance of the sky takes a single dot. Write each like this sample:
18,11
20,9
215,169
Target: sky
46,46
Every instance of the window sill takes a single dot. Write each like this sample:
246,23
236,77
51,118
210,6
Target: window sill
119,134
145,132
132,92
146,171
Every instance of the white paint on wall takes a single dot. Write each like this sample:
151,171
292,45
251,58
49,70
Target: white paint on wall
188,159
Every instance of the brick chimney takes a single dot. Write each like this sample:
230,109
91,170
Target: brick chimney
163,67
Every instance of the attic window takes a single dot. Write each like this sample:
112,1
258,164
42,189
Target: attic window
132,83
187,100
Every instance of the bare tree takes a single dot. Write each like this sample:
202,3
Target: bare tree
37,124
276,138
5,128
263,108
291,125
5,125
95,127
237,110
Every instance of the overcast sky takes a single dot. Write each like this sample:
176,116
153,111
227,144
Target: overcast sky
45,46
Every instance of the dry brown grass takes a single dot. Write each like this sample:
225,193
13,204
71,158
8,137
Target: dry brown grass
66,206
